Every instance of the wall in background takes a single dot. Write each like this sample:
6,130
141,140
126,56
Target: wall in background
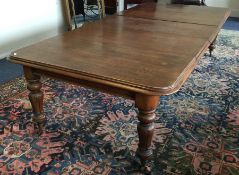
233,4
120,5
23,22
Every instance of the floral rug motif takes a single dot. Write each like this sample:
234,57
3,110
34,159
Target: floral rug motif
89,132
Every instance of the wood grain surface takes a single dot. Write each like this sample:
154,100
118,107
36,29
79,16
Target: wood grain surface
145,54
180,13
136,55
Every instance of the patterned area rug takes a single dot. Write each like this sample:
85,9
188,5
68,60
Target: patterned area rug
89,132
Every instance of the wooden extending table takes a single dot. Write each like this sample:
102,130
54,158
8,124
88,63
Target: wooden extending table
141,54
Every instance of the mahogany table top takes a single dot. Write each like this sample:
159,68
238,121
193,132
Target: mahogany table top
148,56
180,13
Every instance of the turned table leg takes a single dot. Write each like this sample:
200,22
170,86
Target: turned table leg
36,97
147,106
212,47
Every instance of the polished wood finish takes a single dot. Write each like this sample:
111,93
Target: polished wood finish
112,56
180,13
36,96
147,106
183,14
134,57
